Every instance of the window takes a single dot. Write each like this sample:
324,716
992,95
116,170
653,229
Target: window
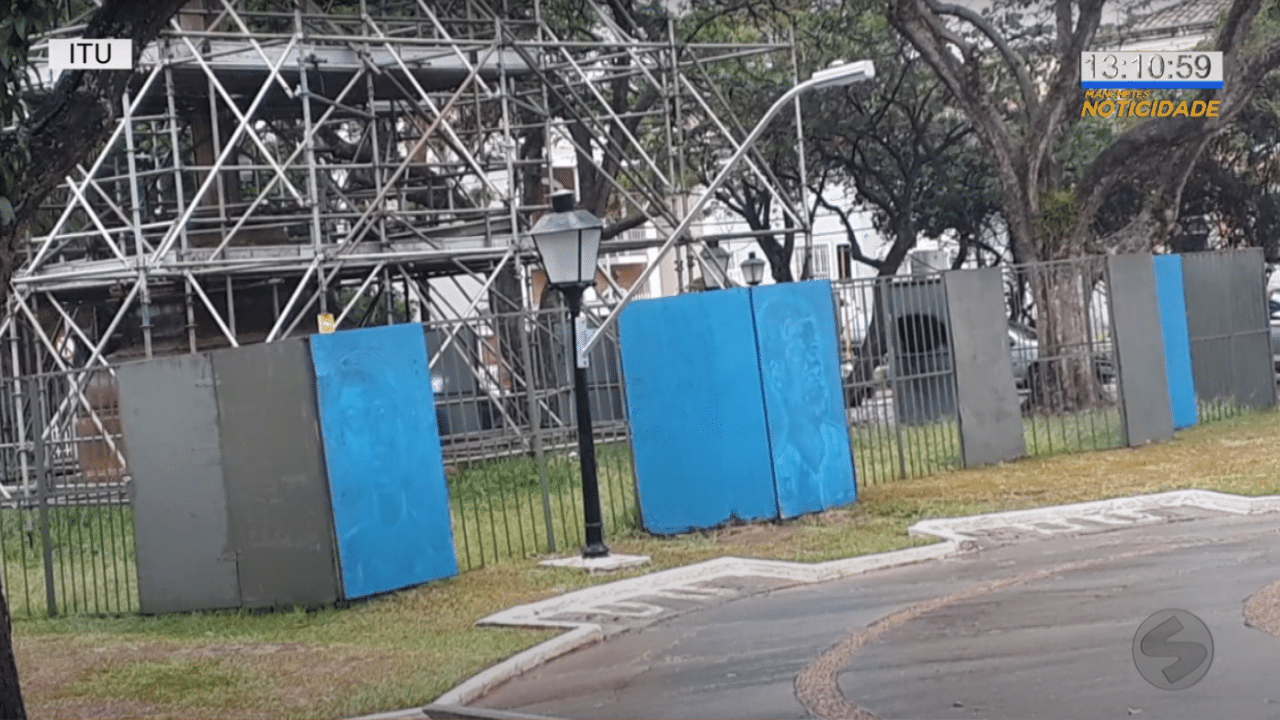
819,262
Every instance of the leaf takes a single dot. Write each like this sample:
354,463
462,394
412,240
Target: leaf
6,211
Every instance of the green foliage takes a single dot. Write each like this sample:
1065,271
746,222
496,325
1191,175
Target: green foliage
1265,28
1237,179
371,308
1084,141
1057,216
21,22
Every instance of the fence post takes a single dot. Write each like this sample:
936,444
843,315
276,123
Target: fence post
535,428
42,493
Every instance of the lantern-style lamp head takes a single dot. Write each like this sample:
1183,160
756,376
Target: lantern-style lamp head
715,265
568,242
753,269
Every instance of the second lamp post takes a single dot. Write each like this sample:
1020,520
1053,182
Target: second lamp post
568,241
753,270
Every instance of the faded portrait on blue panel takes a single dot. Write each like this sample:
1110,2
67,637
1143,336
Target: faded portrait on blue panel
799,367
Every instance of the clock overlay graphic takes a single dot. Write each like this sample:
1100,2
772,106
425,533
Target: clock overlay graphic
1150,70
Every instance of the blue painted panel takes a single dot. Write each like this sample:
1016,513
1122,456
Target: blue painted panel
1177,340
697,417
804,402
382,450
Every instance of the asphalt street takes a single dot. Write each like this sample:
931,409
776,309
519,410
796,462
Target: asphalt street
1024,627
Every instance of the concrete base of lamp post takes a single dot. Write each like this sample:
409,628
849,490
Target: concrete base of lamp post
608,563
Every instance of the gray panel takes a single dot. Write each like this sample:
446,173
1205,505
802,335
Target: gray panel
170,419
280,515
987,399
1253,370
1229,326
1209,324
1135,325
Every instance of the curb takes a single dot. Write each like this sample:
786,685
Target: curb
580,635
953,532
957,529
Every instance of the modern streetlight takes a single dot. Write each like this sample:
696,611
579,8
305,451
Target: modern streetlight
753,270
568,241
715,265
837,75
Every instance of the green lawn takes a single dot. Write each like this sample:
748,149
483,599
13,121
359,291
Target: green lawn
94,567
498,509
499,512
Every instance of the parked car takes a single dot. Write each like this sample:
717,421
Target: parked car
1024,350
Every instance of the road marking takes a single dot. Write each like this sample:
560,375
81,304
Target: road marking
626,609
818,687
694,593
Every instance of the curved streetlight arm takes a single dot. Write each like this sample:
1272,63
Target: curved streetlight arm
813,82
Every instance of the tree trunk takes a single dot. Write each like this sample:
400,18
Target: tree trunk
11,705
1062,379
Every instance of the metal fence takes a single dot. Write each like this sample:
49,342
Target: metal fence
504,389
66,528
504,403
900,385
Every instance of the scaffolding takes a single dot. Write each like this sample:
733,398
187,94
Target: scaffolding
276,159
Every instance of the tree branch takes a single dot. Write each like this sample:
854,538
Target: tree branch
1011,59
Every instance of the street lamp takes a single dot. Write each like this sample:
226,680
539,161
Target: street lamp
837,75
753,269
715,265
568,242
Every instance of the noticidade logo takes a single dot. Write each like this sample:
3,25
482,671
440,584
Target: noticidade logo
1137,103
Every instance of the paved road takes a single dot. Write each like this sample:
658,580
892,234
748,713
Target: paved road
1036,623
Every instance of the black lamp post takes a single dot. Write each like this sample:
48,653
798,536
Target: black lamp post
568,242
715,265
753,269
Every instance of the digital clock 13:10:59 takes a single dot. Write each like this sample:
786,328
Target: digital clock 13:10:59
1150,70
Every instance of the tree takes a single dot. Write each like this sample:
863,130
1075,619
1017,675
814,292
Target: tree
1048,218
44,138
62,127
1138,161
1237,180
745,88
899,150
